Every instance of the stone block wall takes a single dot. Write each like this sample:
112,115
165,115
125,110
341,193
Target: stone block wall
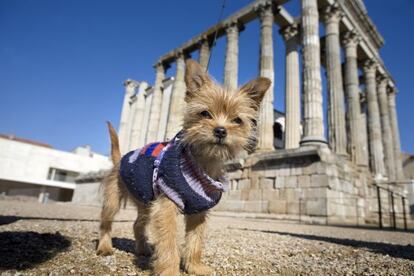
310,184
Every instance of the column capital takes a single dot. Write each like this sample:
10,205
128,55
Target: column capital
289,32
264,9
180,53
392,90
351,39
370,66
131,83
149,90
382,80
332,13
362,98
161,66
263,5
204,39
233,26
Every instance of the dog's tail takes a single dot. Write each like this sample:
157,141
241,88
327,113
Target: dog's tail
115,151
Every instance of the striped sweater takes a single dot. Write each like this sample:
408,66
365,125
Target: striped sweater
170,169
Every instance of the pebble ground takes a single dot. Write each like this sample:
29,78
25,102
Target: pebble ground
60,239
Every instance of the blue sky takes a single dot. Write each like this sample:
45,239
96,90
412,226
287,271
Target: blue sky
63,62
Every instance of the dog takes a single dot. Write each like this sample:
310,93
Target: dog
218,124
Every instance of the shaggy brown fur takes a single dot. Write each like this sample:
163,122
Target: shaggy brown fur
208,106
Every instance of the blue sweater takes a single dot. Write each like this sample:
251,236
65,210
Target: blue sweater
170,169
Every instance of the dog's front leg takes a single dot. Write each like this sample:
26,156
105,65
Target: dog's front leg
194,242
163,226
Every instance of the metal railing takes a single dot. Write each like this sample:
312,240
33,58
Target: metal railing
389,203
392,203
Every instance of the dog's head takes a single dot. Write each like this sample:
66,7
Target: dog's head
219,122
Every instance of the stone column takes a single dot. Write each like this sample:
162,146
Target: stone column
395,134
355,129
292,87
177,101
125,123
336,109
232,55
374,124
137,118
165,108
156,102
147,112
266,65
312,83
204,52
364,138
387,139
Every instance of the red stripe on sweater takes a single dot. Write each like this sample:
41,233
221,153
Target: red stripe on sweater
157,149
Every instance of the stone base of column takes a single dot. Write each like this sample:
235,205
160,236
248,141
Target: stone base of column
379,178
313,141
260,150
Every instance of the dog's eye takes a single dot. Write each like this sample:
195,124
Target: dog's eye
237,121
254,122
205,114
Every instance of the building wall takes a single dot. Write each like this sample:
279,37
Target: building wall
88,193
24,189
29,165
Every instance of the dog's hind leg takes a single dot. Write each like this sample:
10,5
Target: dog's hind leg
141,241
111,205
163,228
195,226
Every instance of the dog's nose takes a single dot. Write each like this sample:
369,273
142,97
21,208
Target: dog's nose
220,132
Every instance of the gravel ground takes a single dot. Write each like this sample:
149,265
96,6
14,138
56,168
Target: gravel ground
60,239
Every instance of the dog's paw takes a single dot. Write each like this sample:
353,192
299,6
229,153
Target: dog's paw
104,250
167,272
143,249
198,269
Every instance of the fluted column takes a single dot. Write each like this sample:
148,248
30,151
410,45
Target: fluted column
395,134
232,55
312,83
125,123
137,117
364,138
156,102
336,109
292,87
143,137
387,139
204,52
266,120
355,129
177,102
374,124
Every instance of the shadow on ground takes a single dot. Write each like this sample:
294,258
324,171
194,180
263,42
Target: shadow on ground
22,250
128,246
393,250
124,244
11,219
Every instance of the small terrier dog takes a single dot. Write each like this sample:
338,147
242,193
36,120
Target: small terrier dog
218,124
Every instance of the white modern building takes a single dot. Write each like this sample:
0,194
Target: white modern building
35,169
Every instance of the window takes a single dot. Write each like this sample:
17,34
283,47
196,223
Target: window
61,175
277,131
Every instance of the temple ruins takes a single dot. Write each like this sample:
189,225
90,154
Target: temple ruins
352,175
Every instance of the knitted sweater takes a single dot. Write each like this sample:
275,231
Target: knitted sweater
170,169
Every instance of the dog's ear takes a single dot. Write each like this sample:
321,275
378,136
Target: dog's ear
256,89
195,77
